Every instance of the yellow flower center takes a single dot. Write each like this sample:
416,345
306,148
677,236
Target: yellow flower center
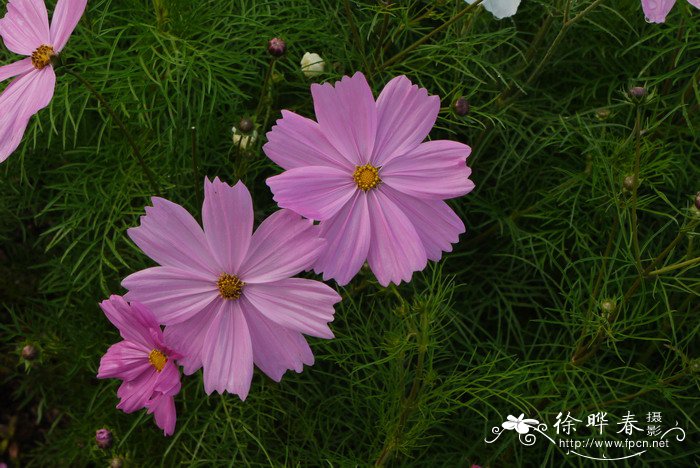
230,286
366,177
42,56
157,359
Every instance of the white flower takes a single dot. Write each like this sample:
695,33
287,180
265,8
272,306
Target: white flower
312,65
500,8
522,426
243,140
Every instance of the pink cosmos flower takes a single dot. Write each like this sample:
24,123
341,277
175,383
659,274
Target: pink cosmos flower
363,172
657,10
225,293
25,31
143,361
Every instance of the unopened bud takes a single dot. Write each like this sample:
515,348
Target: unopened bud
29,352
607,307
312,65
116,462
276,47
461,107
103,438
246,125
694,366
629,183
243,140
602,113
638,92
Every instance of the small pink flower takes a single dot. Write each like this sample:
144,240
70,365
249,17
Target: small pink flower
25,31
143,361
364,173
657,10
225,293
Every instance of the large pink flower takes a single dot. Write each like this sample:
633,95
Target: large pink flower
364,173
657,10
25,31
225,293
143,361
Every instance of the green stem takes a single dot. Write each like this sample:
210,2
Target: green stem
637,170
675,266
134,147
195,169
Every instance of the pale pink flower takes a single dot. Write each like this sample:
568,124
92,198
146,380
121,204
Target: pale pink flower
25,31
143,361
364,173
657,10
225,293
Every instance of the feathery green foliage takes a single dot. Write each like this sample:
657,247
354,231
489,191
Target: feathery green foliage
572,290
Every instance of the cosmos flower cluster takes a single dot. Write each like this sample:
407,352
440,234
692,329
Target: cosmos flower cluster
360,185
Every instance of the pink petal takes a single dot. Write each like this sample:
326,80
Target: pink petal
298,142
65,18
168,382
695,3
135,393
657,10
174,295
163,409
171,236
16,68
124,360
299,304
347,115
134,322
436,169
228,353
187,338
285,244
315,192
406,114
22,98
436,223
228,222
276,349
25,26
347,237
396,250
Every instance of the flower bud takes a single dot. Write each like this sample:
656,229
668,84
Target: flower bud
697,201
29,352
116,462
629,183
245,125
694,366
602,113
607,307
312,65
276,47
243,140
638,92
103,438
461,107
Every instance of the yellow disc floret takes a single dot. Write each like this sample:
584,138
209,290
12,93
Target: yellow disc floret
366,177
42,56
230,286
157,359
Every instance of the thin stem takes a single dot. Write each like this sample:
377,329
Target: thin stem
410,402
675,266
134,147
353,29
637,170
432,33
195,169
